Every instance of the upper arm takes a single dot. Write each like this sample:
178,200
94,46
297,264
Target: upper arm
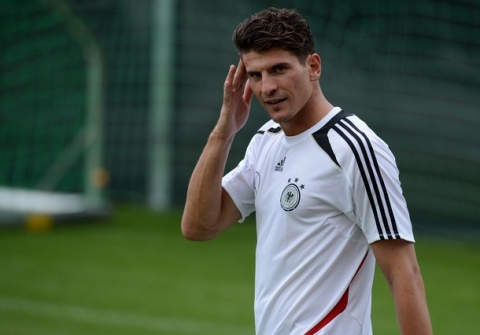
396,258
229,213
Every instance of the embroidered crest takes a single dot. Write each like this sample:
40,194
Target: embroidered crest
291,195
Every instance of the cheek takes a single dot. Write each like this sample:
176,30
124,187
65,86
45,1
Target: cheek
300,83
255,88
303,92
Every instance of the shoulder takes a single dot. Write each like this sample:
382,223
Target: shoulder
346,137
347,126
262,135
270,127
359,140
261,139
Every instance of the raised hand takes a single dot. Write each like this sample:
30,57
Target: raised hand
237,98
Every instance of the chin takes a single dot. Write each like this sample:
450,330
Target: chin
281,116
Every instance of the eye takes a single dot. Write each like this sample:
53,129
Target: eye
254,75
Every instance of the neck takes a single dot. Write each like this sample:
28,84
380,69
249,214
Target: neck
313,111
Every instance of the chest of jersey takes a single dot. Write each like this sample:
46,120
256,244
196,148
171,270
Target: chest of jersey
299,181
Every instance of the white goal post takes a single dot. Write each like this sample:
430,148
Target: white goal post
82,149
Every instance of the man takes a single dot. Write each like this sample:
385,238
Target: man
324,187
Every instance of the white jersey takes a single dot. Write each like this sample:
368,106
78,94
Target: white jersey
321,198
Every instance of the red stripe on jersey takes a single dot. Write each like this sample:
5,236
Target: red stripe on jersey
339,307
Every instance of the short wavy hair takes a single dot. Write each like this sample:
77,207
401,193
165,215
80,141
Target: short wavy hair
275,28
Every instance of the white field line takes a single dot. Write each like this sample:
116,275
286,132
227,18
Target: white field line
117,318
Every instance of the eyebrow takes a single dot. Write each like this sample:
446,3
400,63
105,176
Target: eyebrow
274,66
284,64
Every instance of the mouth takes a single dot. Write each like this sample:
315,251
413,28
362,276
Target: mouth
274,102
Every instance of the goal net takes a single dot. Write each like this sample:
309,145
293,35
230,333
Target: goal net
410,69
50,115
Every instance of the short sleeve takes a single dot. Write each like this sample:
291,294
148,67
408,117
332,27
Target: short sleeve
239,183
379,206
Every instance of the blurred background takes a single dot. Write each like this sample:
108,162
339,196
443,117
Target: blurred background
105,106
114,100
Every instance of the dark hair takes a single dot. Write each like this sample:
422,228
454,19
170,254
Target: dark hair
275,28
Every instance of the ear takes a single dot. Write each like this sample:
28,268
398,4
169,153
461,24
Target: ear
314,63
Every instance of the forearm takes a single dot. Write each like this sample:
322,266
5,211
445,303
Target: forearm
411,305
399,264
203,205
208,209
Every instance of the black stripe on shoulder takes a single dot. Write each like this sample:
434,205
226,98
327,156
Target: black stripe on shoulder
370,171
275,130
387,204
272,130
364,177
321,135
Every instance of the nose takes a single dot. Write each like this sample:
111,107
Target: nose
269,85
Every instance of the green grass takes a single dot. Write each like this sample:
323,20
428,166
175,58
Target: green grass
451,272
136,274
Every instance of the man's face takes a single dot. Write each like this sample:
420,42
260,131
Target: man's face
281,83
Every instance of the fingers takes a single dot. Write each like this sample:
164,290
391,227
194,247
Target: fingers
240,76
236,85
230,76
236,77
227,87
247,93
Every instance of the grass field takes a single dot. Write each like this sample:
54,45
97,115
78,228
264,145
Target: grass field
136,274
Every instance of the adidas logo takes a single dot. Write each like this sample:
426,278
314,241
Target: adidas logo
279,166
